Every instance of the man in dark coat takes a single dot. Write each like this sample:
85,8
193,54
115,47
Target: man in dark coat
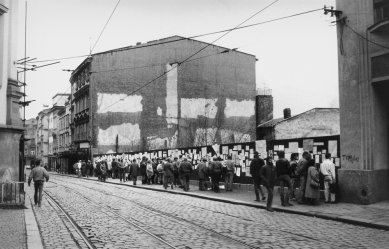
255,167
284,173
89,168
268,175
185,171
202,171
134,171
302,169
143,170
215,170
167,173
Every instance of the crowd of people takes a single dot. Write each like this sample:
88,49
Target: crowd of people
169,172
297,178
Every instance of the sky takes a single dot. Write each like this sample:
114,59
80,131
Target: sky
297,57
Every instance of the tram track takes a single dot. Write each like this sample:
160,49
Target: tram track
191,224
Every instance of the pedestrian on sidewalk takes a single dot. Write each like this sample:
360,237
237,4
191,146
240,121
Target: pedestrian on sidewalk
142,169
327,168
185,171
283,173
202,171
312,188
38,174
295,179
168,174
89,168
230,171
176,179
215,169
268,175
255,167
121,170
302,168
134,171
150,172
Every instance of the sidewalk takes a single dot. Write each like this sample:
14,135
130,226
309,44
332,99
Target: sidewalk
13,221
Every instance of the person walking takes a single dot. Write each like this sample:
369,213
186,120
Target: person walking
167,173
255,167
134,171
38,174
185,170
302,168
327,168
89,168
312,188
202,171
268,175
283,173
230,171
215,169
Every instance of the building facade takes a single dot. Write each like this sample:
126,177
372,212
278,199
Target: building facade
141,98
30,141
42,136
363,41
11,130
64,138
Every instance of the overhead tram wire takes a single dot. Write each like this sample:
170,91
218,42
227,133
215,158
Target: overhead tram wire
192,37
365,38
102,31
185,60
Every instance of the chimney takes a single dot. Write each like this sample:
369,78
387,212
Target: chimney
287,113
263,105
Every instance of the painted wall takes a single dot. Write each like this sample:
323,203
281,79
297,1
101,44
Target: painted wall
204,101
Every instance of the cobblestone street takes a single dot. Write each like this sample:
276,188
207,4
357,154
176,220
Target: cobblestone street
118,216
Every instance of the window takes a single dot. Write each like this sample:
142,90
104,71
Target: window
381,10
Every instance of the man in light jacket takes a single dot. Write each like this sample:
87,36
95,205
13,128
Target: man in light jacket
38,174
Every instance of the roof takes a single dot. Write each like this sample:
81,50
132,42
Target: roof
161,41
274,122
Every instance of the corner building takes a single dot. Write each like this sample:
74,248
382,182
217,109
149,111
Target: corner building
363,39
138,98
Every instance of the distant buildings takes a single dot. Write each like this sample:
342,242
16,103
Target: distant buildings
363,40
139,98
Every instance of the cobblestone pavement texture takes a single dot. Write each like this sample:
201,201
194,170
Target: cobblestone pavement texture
12,229
106,213
103,210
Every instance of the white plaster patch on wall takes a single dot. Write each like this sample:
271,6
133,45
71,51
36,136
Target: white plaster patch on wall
205,136
171,94
159,111
235,108
192,108
231,136
113,102
129,134
155,142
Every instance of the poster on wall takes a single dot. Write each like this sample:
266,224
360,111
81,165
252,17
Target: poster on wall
308,144
260,146
333,148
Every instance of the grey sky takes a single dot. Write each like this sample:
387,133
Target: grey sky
297,57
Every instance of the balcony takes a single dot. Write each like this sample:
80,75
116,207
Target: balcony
81,116
380,68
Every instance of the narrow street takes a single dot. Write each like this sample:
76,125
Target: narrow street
79,213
